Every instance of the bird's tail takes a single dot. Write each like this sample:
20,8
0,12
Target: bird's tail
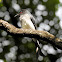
38,48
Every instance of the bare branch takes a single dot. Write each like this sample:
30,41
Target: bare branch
43,35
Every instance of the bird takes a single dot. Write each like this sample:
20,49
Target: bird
27,21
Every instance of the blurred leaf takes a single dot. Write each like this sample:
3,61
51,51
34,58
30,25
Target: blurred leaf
0,1
1,4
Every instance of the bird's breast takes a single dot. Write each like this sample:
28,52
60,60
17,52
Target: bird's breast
26,22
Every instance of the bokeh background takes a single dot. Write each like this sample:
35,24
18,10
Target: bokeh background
48,15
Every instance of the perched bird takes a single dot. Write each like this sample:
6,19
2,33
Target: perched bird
27,22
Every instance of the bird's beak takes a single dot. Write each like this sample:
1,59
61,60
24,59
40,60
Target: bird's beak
16,15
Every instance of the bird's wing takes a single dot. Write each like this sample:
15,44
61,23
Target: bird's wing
33,21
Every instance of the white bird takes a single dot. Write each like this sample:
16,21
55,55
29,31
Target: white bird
27,22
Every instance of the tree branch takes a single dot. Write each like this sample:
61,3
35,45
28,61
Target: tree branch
43,35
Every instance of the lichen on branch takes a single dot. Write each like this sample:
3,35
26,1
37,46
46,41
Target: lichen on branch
43,35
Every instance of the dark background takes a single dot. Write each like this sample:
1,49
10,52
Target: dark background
48,15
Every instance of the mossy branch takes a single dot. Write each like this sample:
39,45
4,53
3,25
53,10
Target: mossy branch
43,35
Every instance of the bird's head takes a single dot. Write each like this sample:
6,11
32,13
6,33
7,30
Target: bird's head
23,11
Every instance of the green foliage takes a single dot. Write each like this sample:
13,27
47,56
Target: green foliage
23,49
